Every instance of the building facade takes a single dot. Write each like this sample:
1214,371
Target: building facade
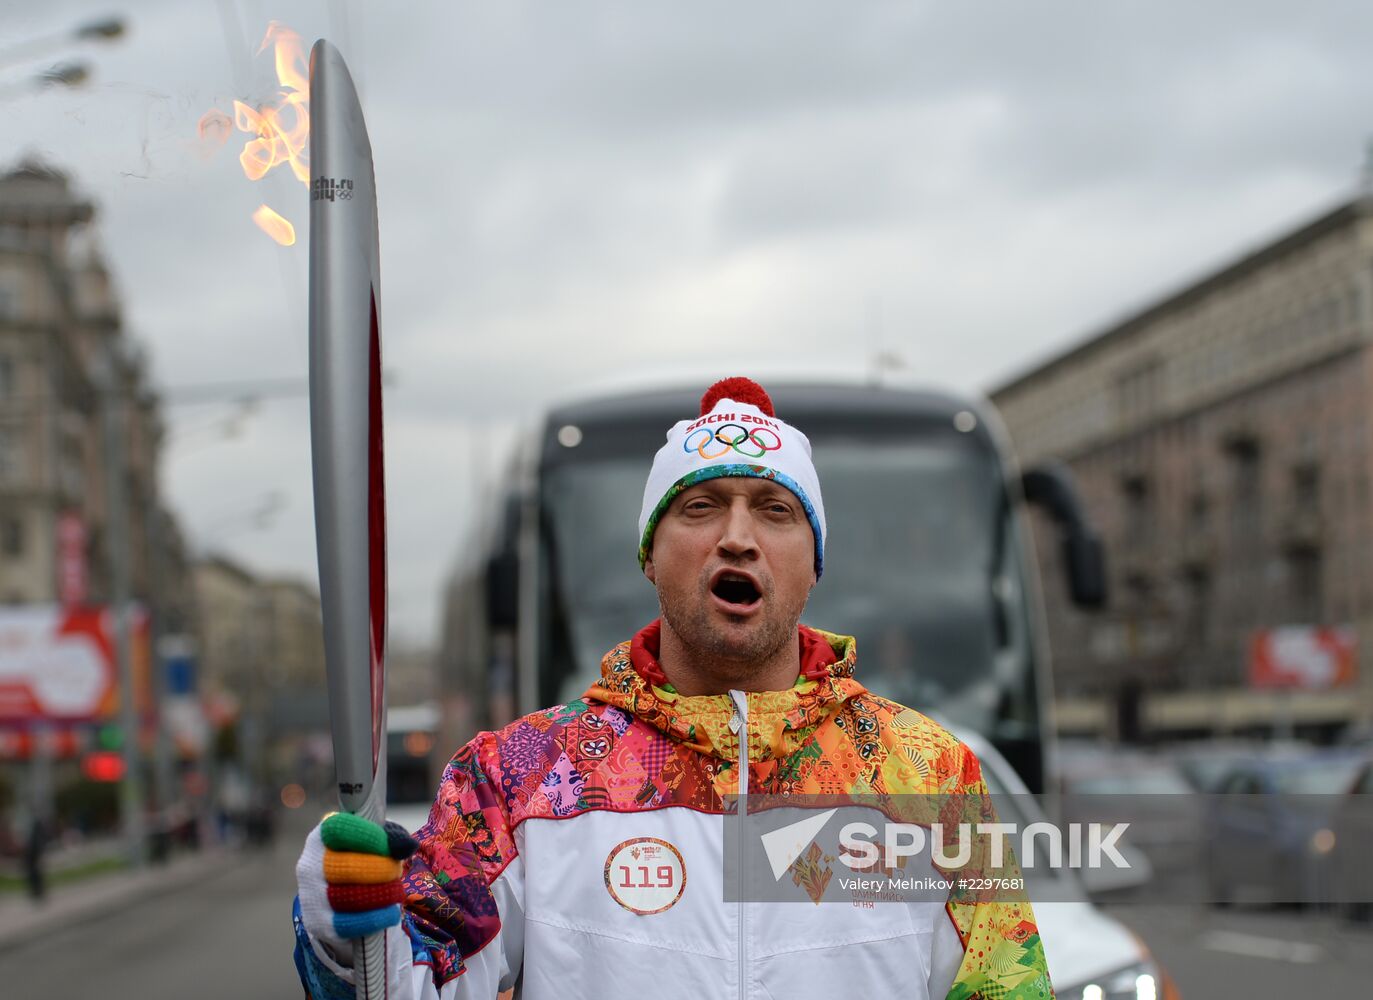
1221,441
71,383
295,624
261,662
235,633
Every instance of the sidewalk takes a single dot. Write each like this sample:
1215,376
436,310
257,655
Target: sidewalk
22,920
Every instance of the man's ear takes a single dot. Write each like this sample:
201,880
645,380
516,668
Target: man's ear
648,568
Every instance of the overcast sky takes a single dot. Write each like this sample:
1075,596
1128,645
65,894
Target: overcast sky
571,191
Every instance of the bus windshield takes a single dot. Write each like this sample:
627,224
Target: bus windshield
922,565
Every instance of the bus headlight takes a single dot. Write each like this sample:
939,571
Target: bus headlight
1141,981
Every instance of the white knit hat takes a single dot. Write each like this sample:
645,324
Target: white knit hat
736,434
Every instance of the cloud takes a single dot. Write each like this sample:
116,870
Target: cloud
575,191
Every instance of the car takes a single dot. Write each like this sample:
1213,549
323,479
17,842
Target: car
1270,834
1148,792
1205,763
1352,825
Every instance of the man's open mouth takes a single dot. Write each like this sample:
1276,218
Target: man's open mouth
737,589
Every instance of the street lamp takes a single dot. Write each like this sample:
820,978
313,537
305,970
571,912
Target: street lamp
69,74
105,29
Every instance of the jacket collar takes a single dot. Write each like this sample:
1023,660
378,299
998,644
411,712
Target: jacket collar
779,721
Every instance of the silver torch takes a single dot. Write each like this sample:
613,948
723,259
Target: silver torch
346,449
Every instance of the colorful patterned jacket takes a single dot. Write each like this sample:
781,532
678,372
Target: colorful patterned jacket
579,852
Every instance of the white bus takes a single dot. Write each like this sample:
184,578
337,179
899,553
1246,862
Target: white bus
413,762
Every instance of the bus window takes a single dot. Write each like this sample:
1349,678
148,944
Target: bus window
916,568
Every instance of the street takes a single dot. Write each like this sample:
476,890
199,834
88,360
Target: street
1254,953
228,936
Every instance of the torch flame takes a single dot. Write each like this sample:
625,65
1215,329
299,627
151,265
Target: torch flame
280,126
293,69
275,144
274,226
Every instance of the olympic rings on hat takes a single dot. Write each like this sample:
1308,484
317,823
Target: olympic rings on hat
731,442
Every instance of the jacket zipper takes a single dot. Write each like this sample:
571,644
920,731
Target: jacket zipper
738,725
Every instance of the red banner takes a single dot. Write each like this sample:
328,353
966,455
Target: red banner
71,560
1302,656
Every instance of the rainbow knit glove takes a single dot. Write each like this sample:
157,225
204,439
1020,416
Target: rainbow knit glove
349,877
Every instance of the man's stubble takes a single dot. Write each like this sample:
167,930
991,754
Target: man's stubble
738,658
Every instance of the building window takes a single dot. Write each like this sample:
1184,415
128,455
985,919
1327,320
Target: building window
1198,512
1197,587
1246,482
1139,509
9,454
11,536
1139,392
1139,589
6,376
1306,598
1306,487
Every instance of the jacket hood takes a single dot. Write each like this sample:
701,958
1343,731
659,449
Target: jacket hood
779,722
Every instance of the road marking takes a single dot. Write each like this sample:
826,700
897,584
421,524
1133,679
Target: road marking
1253,946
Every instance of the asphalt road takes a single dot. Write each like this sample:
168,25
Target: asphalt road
229,937
1259,953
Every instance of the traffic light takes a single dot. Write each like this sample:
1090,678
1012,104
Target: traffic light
103,765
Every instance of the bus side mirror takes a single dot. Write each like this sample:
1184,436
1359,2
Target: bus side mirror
1086,562
1051,487
503,590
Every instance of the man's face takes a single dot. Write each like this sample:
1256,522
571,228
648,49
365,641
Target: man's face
734,561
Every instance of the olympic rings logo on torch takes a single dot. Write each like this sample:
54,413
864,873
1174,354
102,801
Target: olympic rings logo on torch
744,444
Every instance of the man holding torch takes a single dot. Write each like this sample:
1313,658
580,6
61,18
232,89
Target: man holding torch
578,852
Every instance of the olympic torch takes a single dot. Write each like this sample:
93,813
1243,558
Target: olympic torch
346,449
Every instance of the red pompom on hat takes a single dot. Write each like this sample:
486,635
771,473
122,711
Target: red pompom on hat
741,390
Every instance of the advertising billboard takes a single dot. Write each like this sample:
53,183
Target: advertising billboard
1306,657
58,664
